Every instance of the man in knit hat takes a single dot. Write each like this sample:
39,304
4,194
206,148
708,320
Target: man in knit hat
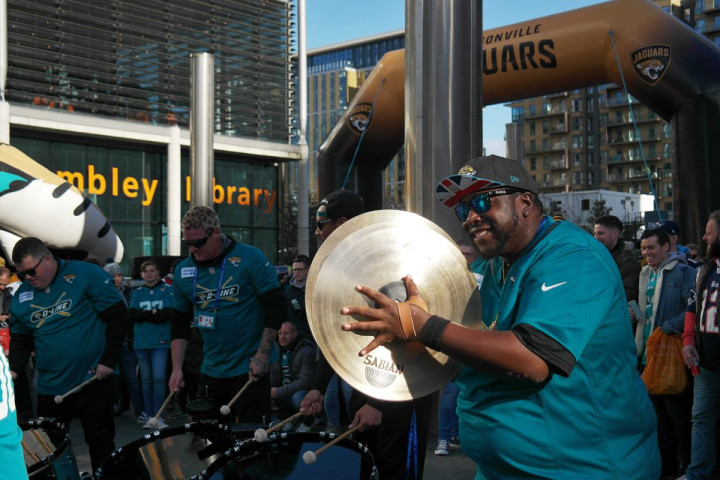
230,292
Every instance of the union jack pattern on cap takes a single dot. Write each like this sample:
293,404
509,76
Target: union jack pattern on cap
452,189
484,173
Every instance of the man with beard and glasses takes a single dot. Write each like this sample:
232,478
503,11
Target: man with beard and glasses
552,391
229,291
701,340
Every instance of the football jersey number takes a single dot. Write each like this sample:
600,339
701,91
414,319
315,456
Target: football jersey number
710,321
155,304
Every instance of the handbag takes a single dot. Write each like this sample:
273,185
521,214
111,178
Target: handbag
664,372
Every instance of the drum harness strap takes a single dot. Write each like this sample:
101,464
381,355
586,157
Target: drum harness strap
412,448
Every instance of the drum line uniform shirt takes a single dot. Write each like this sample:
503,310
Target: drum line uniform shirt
564,299
11,454
151,331
69,334
232,322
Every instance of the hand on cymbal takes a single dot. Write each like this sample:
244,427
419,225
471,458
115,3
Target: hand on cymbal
384,320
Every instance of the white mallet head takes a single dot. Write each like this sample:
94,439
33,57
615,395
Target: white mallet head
225,410
260,435
58,399
309,457
153,422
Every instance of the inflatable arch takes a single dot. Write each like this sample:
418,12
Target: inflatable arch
665,64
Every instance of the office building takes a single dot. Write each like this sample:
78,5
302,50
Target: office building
100,93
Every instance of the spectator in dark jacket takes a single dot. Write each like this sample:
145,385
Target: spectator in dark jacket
292,375
607,231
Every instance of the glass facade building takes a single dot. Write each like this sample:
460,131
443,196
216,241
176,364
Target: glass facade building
131,59
95,89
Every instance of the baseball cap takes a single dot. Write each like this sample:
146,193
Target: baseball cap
343,203
484,173
669,227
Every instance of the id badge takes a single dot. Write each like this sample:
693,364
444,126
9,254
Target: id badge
204,320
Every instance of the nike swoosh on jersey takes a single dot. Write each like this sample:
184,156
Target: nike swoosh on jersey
545,288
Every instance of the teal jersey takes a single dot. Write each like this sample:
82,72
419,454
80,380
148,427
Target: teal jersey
11,454
225,301
596,422
64,319
148,334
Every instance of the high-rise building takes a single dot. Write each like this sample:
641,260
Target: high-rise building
588,139
335,73
100,93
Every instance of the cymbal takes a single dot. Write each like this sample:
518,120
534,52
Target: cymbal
377,249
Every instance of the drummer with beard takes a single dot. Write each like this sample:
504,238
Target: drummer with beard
552,391
395,432
229,291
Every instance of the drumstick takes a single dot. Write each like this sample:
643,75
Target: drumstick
59,398
29,451
39,438
225,409
153,421
310,457
261,435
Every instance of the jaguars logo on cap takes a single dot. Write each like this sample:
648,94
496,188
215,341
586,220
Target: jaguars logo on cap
467,170
651,62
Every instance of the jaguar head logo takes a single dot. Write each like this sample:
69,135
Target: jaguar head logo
650,63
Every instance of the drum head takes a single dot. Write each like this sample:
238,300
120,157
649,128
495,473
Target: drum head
47,450
176,453
282,457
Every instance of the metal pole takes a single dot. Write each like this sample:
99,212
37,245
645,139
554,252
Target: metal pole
3,48
303,171
4,106
443,101
202,128
173,191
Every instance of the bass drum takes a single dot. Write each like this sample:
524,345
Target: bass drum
280,457
48,451
175,453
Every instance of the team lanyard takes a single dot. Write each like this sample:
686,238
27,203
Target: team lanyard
217,293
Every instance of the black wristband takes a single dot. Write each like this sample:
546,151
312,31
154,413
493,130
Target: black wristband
432,332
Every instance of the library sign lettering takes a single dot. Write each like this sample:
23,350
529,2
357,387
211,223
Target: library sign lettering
145,189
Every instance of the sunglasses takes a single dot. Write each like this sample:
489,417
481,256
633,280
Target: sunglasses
480,203
321,223
200,242
31,272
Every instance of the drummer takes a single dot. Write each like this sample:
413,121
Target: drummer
552,392
385,426
229,291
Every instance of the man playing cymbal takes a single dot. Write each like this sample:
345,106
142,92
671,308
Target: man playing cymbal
552,392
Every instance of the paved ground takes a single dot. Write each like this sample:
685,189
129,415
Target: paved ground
454,466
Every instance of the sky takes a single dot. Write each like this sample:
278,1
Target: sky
335,21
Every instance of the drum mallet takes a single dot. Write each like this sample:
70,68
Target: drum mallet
225,409
59,398
262,435
310,457
153,421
